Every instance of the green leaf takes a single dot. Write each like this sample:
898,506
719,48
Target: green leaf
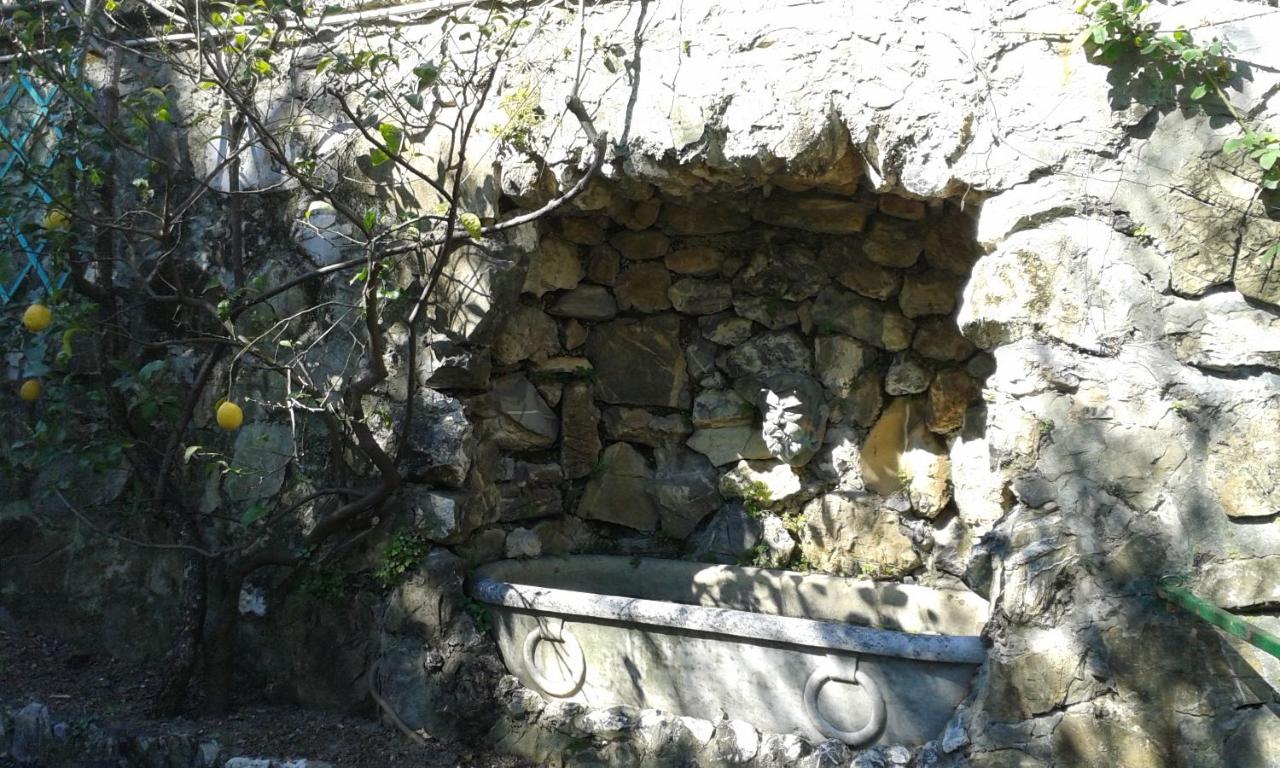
471,223
370,218
323,64
255,512
427,74
1235,145
391,136
188,453
377,157
151,369
1199,91
1269,158
262,66
1099,35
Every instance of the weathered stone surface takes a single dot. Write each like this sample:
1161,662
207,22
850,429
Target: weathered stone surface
644,287
839,463
586,302
774,480
680,217
721,408
686,489
574,334
727,537
603,264
640,362
437,515
699,261
940,339
894,243
843,259
448,365
637,425
779,542
522,501
584,231
701,355
902,208
1255,742
838,361
641,246
794,414
525,422
694,296
528,333
260,460
1246,583
950,243
1056,279
555,265
814,213
635,214
788,271
771,313
725,445
949,396
619,491
438,672
438,449
736,743
770,351
1256,275
1086,739
1222,332
928,293
97,486
580,442
844,312
563,536
523,542
862,405
907,377
883,449
32,734
1243,486
727,329
849,534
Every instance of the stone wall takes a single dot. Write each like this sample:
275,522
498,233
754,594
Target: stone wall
729,376
800,211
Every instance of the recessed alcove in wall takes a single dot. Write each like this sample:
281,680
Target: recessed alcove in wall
763,373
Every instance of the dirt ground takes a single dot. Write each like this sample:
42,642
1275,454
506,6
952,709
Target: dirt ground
83,685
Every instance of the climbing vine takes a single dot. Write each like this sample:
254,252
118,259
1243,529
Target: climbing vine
1175,64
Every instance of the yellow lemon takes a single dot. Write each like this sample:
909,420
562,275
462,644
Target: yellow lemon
29,391
55,219
37,318
230,417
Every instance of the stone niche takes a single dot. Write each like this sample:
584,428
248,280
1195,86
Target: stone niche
766,375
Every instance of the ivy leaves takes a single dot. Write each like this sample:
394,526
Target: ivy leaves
1174,62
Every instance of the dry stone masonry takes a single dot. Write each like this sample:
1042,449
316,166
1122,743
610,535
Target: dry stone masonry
667,355
912,293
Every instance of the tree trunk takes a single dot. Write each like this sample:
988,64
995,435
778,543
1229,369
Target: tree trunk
220,646
180,662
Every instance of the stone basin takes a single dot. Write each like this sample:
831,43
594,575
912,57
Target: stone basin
814,655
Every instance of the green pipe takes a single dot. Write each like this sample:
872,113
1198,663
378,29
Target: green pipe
1227,622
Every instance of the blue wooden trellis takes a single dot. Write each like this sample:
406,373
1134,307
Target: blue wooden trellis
26,120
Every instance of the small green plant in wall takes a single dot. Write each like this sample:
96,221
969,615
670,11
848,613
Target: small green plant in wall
403,553
1172,65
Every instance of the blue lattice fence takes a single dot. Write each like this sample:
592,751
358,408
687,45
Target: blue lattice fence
29,137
